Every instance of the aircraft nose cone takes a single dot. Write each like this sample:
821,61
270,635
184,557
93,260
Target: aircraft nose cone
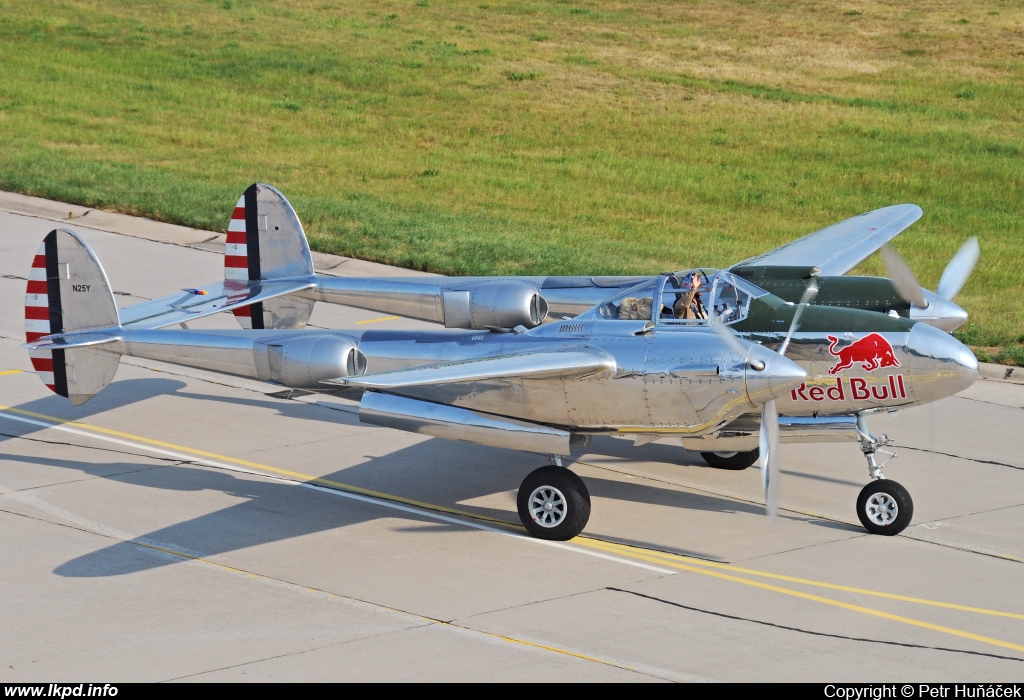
940,365
778,376
940,312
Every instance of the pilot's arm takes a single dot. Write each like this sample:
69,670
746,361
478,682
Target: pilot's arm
681,308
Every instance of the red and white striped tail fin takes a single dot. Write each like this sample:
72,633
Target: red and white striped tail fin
236,254
68,292
236,259
37,319
266,242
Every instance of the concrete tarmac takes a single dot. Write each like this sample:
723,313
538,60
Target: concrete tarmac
185,525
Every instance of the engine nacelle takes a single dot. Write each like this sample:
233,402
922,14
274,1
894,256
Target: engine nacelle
306,361
502,304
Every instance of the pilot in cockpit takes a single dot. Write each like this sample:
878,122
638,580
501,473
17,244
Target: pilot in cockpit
688,304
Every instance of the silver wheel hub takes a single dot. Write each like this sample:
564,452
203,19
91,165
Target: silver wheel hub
881,509
726,455
547,506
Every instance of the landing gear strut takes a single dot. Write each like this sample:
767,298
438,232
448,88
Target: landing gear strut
884,507
553,503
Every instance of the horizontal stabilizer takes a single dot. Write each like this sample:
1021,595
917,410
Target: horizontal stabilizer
542,364
79,339
210,299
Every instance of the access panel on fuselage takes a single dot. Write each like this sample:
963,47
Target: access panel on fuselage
619,400
680,389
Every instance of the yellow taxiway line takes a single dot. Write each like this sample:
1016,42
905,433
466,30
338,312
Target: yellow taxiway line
377,320
669,559
336,488
263,467
505,638
829,601
674,561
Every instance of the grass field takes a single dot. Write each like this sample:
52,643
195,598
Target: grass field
539,137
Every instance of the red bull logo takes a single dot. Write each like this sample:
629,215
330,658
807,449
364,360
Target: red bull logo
871,352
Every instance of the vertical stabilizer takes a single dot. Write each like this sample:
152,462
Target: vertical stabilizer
266,242
68,292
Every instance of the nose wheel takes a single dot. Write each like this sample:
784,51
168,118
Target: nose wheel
553,503
884,507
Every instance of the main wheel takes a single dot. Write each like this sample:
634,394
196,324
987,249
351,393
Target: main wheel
554,503
730,460
884,507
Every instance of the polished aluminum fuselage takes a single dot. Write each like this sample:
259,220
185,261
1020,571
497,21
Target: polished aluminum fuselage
661,380
686,382
932,365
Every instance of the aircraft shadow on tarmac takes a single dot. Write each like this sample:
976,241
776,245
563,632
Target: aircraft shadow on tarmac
668,453
620,448
433,471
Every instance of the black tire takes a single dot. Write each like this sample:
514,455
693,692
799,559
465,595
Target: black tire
884,507
730,460
564,492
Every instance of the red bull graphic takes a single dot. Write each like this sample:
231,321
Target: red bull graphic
872,352
854,388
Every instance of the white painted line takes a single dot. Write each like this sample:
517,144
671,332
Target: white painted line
336,492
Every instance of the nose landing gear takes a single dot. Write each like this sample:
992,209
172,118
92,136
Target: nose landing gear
884,507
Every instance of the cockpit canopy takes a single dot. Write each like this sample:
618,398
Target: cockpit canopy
685,298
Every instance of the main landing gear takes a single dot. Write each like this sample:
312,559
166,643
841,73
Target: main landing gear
553,503
884,507
730,460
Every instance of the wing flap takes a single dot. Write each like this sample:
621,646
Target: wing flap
543,364
840,247
189,305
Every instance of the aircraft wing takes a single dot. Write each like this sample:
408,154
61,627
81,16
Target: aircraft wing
188,305
541,364
841,247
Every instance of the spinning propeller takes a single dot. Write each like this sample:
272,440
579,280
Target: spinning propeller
768,438
953,279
